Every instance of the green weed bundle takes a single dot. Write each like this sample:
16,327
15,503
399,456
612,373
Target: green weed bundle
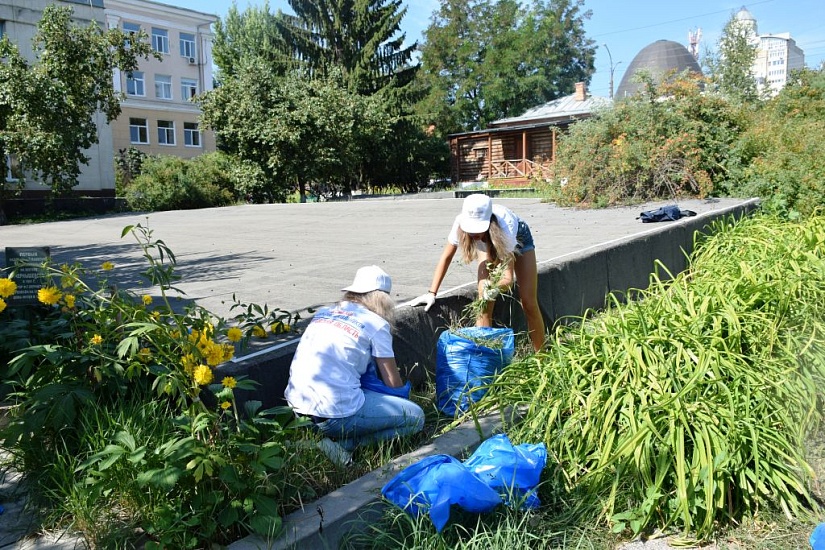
689,407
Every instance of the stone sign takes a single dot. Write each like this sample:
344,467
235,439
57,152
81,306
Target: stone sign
29,274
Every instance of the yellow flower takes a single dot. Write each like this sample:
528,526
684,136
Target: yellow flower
155,315
67,280
258,331
144,355
228,352
2,305
275,328
189,362
49,295
234,334
147,300
287,328
225,405
107,266
69,299
7,287
97,339
229,382
202,375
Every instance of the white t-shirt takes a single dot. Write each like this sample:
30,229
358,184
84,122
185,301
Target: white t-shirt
325,374
507,220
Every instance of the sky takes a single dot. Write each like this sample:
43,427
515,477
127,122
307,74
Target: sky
620,29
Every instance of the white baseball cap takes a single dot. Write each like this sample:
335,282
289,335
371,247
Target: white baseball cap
475,213
370,278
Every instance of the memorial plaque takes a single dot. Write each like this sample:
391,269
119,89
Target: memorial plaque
29,274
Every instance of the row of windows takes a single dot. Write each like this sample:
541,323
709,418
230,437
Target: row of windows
139,132
160,39
136,86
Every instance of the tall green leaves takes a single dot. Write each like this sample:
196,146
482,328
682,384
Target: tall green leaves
690,406
731,66
484,59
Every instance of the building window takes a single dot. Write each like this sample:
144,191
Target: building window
163,86
131,29
187,45
160,40
12,167
135,83
188,88
2,29
138,130
191,134
166,132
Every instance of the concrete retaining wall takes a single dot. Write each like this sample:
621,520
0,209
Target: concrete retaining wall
568,287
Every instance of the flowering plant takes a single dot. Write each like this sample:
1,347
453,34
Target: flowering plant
90,352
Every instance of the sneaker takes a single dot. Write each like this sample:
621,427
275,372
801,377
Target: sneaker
335,452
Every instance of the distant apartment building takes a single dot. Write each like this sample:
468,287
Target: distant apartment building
18,21
776,55
158,115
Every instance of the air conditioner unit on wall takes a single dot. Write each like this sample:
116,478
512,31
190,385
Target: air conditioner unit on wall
193,61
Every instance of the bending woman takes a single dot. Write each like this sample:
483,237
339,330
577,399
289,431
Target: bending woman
335,351
496,236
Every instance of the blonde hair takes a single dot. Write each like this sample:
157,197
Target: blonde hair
377,301
496,244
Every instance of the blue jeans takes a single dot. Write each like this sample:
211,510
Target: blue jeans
524,239
381,417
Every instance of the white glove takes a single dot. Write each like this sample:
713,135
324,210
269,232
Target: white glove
427,300
490,292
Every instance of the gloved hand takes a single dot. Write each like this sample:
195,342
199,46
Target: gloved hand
427,300
490,292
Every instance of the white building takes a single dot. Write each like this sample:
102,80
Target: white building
18,21
158,115
776,55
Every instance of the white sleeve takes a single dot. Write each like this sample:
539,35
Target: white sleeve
382,342
452,238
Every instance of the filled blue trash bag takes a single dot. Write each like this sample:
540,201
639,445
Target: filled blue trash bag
496,472
464,368
512,470
818,537
436,482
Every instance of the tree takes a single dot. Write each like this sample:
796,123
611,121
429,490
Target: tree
47,110
253,33
297,131
731,66
487,59
361,38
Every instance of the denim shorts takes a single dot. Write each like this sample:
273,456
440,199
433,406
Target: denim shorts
524,239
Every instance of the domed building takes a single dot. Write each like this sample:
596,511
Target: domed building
659,58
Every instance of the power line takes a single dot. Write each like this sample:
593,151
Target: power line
693,17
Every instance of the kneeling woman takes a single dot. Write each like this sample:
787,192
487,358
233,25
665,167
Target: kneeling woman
336,350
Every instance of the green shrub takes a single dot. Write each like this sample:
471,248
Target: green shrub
668,142
117,418
173,183
782,153
689,408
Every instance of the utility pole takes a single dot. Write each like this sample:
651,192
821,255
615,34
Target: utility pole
612,68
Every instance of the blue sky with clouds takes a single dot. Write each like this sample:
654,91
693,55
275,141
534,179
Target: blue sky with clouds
624,28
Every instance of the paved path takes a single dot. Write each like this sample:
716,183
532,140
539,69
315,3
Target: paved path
291,256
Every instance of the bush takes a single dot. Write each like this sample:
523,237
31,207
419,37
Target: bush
667,142
117,417
782,153
172,183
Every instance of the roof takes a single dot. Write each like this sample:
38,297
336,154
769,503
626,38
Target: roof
660,58
561,109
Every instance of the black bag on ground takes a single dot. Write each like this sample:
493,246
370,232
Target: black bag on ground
668,213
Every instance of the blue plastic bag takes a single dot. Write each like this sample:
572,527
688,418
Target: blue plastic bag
818,537
433,484
512,470
496,472
371,381
463,368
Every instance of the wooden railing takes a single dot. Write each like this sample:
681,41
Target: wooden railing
521,168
